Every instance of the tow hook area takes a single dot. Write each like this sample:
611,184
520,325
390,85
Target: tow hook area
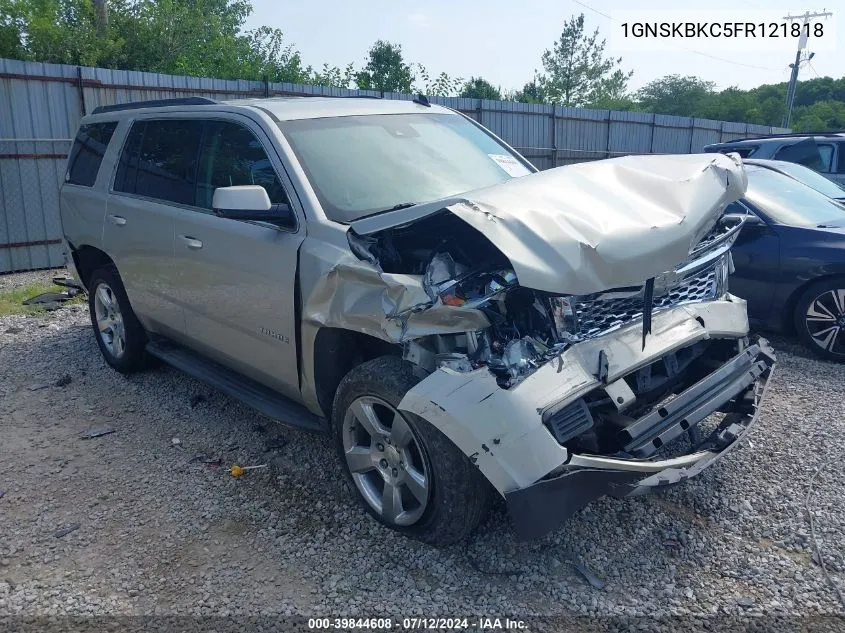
736,388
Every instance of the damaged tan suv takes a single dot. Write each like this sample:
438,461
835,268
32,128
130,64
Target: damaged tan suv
394,274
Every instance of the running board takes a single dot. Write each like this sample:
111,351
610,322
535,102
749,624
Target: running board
248,391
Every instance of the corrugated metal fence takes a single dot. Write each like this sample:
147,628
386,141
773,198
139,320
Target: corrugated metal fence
41,104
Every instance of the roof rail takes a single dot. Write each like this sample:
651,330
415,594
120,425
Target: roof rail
784,135
156,103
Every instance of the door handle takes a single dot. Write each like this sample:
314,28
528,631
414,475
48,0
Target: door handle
119,220
191,242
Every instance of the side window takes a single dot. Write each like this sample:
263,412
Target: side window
826,154
840,163
232,155
127,168
745,152
87,153
807,153
160,160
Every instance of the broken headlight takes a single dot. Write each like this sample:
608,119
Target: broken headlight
564,317
477,289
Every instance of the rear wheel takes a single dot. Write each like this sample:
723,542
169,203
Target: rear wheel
119,334
404,471
820,318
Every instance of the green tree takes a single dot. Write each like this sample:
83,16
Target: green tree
532,92
333,76
11,30
824,116
190,37
674,94
577,72
55,31
386,69
480,88
443,85
269,56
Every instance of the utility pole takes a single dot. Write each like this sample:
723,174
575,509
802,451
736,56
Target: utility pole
802,44
101,16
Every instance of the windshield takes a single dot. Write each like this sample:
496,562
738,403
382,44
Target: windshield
813,179
361,165
788,201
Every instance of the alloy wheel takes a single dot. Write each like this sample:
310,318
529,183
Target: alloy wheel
110,325
825,320
385,460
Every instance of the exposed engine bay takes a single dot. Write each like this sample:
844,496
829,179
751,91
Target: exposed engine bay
462,269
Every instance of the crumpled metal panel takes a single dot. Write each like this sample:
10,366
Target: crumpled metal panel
585,228
340,291
351,294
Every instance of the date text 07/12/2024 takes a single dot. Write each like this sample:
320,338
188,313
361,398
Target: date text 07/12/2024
478,623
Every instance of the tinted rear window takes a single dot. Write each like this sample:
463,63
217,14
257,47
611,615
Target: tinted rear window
159,160
744,151
87,153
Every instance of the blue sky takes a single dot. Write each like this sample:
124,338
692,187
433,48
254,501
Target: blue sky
502,40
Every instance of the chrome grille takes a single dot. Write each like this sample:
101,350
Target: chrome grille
723,228
598,316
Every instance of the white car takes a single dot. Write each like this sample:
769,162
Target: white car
392,273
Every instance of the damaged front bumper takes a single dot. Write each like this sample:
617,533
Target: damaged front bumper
543,506
508,435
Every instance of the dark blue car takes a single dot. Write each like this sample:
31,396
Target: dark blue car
790,260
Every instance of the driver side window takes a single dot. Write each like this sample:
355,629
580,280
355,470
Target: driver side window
231,155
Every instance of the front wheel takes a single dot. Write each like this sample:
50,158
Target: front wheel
406,473
820,318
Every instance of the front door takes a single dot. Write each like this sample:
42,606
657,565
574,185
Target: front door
236,279
756,257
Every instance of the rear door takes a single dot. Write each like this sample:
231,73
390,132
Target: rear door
83,200
155,177
236,278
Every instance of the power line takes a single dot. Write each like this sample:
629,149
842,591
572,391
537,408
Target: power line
690,50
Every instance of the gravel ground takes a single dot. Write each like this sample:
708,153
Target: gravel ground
132,523
22,280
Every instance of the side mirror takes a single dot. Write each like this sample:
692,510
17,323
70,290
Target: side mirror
751,219
249,202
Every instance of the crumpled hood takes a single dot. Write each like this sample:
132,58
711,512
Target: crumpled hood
593,226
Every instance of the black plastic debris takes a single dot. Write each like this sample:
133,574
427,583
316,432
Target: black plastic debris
66,530
97,432
71,283
586,572
64,381
48,300
53,300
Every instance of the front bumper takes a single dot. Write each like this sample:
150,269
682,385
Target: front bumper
541,507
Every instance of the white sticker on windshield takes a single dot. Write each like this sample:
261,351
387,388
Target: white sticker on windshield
510,165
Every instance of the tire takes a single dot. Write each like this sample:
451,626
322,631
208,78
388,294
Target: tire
440,508
820,318
108,305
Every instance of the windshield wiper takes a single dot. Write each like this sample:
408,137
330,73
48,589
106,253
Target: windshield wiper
396,207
